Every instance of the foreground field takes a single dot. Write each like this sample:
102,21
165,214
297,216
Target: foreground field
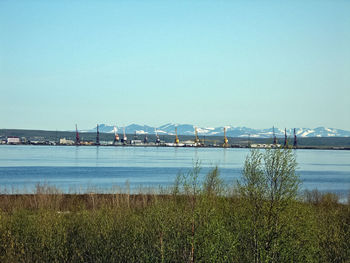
260,219
144,228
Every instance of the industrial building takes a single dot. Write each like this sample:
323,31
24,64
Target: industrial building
13,140
66,142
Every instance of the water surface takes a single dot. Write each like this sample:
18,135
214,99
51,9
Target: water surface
80,169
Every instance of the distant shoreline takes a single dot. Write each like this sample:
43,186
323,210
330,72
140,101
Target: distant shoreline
184,146
39,137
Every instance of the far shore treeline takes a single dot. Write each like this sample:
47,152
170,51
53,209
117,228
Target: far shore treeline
260,218
35,135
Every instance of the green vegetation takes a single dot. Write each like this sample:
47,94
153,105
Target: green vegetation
259,219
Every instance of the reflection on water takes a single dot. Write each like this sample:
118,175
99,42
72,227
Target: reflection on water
71,167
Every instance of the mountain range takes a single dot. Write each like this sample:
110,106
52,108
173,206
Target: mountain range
188,129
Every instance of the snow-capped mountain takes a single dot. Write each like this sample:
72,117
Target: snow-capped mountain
188,129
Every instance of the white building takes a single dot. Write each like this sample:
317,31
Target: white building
263,145
66,142
13,140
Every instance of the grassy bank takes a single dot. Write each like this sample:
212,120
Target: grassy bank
260,219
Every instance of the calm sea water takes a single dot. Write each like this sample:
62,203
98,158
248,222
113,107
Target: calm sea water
81,169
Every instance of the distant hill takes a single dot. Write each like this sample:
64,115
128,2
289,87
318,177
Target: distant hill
231,131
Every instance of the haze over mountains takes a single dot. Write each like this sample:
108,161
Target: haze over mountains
231,131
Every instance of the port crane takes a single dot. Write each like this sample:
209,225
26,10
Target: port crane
125,139
157,136
97,135
77,138
295,144
274,135
116,136
225,139
285,138
177,141
196,139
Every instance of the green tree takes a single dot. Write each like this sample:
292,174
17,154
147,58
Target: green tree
268,188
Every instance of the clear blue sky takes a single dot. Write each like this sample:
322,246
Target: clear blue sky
209,63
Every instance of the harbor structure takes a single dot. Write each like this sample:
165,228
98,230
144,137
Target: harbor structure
13,140
65,141
285,138
157,137
295,143
97,136
176,141
116,136
196,139
77,138
264,145
167,140
125,139
225,139
135,140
